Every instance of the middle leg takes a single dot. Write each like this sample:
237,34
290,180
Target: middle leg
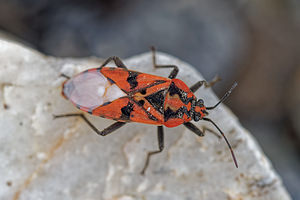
160,138
173,73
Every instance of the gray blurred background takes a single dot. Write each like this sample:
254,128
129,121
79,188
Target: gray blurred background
255,43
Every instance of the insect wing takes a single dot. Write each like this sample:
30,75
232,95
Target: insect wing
129,80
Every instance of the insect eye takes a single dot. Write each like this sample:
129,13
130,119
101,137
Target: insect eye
180,115
200,101
196,118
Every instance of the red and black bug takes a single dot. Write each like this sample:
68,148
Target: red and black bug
128,96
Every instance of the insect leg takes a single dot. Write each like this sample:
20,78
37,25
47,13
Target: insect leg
111,128
104,132
199,132
65,76
160,137
194,129
173,73
116,60
197,85
204,129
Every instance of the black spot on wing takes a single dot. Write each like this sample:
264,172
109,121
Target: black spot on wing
126,110
143,91
157,100
131,79
141,102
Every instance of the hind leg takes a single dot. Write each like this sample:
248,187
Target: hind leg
104,132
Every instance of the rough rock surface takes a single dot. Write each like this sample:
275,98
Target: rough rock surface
42,158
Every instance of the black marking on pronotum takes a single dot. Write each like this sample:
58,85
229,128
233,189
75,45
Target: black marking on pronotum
169,113
173,89
126,110
131,79
157,100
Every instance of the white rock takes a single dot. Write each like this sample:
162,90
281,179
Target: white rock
42,158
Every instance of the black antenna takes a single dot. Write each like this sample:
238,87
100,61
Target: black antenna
233,156
224,97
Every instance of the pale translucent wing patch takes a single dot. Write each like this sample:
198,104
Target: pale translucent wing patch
91,89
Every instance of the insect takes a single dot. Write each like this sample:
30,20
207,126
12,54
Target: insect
125,96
